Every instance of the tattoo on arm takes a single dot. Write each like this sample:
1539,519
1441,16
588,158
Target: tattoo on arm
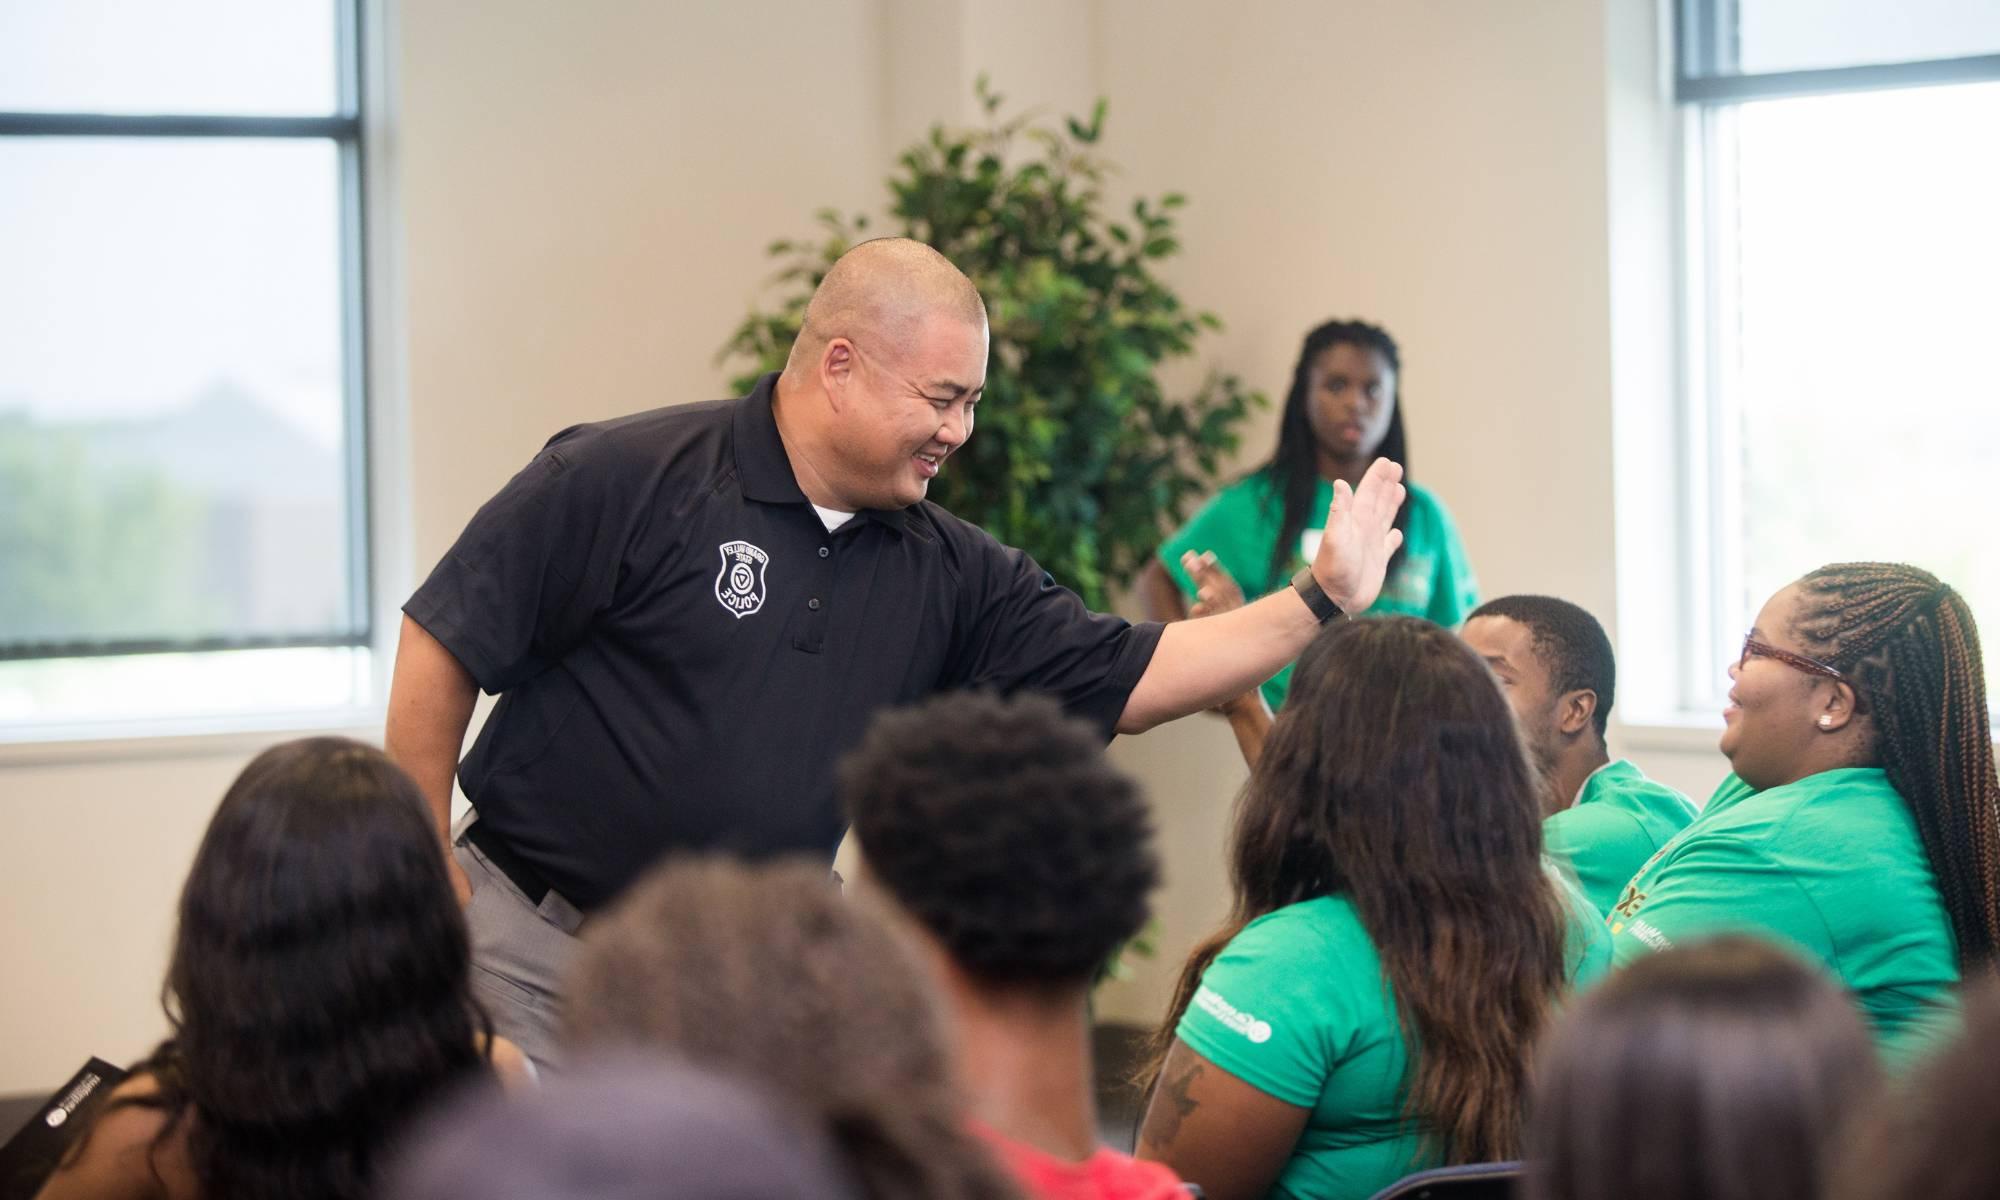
1174,1094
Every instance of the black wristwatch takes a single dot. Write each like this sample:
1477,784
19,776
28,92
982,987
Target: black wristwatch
1315,596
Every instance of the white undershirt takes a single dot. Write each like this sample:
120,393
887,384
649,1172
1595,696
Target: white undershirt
832,518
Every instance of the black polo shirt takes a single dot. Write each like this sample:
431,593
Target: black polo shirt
682,651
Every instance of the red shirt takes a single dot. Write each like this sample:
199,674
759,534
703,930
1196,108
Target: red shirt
1105,1175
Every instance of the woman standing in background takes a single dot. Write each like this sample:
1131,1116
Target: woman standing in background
1343,412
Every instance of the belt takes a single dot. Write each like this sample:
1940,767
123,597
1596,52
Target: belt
512,865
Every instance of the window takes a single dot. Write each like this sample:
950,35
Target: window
1843,295
183,500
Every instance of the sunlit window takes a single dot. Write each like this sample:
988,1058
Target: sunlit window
183,520
1843,295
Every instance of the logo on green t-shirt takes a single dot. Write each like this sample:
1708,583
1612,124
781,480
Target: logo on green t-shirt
1212,1003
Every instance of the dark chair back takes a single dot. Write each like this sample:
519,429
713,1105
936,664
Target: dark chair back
1476,1181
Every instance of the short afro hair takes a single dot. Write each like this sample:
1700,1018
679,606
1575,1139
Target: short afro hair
1572,644
1000,825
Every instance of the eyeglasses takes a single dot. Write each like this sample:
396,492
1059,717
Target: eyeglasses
1752,648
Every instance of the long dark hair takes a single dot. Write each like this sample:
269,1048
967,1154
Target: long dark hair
1294,466
1395,777
1910,644
319,993
1725,1070
769,973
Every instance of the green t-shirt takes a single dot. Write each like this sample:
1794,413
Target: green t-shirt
1239,526
1296,1007
1833,865
1620,819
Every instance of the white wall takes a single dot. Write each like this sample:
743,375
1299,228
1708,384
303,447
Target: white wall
584,193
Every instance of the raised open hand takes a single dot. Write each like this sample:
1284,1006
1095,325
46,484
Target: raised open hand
1360,537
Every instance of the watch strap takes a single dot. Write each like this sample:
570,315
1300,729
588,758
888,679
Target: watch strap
1322,605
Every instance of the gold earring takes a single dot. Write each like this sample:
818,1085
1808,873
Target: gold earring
1825,721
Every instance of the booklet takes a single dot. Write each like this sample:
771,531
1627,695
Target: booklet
31,1156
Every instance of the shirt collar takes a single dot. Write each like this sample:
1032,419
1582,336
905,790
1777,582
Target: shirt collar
764,469
1617,767
762,466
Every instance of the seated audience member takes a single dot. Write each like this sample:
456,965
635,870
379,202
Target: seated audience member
1024,859
1556,667
629,1131
1722,1070
769,973
1396,942
318,995
1936,1134
1862,821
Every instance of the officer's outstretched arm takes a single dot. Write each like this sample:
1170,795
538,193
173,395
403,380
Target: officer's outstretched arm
1201,663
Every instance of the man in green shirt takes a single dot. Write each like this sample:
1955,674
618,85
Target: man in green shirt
1556,667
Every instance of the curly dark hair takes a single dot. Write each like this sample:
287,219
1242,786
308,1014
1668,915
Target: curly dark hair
1003,828
1724,1070
319,993
770,973
1396,777
1571,642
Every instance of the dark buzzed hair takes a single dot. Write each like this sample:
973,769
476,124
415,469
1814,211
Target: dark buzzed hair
1001,826
1571,642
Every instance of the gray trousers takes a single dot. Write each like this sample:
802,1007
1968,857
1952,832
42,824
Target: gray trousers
520,953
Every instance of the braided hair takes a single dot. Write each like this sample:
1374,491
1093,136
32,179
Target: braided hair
1294,466
1910,647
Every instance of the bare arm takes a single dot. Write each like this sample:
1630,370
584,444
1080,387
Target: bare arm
1250,720
430,704
1199,664
1217,1131
1163,599
1218,592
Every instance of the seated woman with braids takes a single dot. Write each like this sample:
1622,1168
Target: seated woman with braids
1396,941
319,994
1862,821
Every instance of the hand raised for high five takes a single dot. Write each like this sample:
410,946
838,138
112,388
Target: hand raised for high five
1360,537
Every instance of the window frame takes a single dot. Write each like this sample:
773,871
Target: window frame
347,129
1706,92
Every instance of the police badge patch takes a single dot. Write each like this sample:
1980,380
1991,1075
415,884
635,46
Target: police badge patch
740,583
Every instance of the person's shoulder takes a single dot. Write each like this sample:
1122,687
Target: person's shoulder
647,437
966,549
1623,785
1846,801
1248,498
665,455
1326,927
123,1153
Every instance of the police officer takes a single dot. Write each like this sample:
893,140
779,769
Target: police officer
690,613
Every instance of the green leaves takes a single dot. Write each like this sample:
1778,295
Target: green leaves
1080,458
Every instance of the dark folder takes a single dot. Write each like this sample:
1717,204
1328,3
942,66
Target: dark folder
31,1156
